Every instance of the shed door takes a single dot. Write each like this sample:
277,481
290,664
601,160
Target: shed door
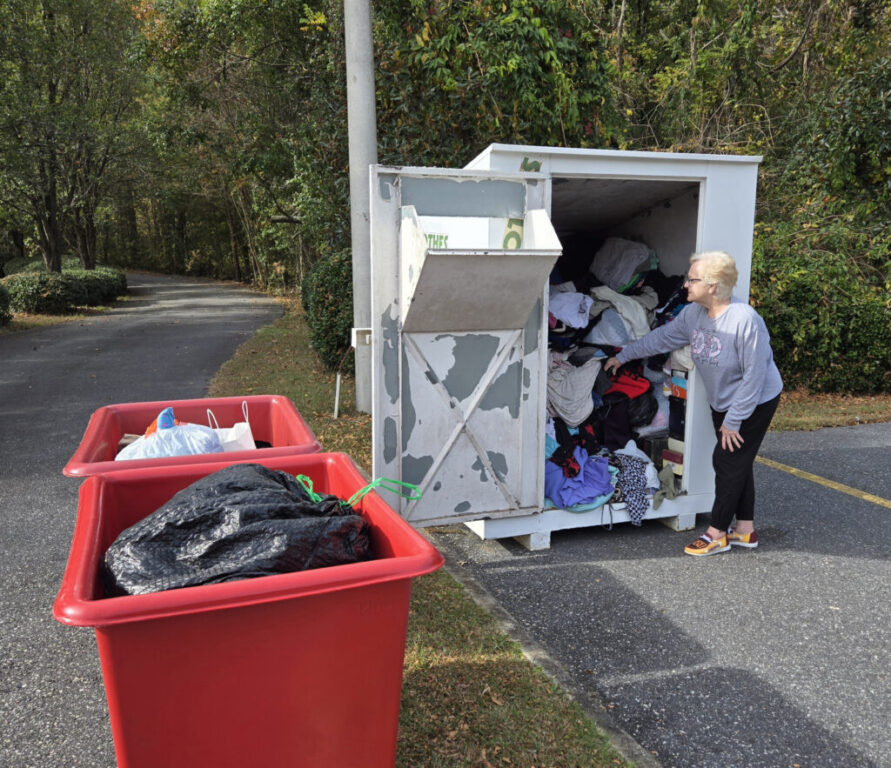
460,261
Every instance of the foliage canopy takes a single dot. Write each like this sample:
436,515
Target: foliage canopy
210,137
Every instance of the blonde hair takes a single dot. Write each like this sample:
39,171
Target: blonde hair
718,269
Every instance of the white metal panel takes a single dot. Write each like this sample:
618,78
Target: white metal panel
728,217
539,234
476,290
463,444
670,228
617,163
459,403
413,255
385,217
699,440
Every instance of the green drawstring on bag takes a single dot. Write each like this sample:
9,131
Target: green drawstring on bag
307,486
394,486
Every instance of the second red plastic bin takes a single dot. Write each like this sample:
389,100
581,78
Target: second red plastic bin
301,670
273,419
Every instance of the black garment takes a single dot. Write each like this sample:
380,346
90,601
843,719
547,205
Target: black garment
734,473
589,437
664,285
616,425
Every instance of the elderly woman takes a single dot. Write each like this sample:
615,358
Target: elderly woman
731,351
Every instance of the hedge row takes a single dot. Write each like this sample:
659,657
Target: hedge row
5,315
48,293
327,296
828,314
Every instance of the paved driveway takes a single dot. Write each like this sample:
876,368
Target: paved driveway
772,658
165,343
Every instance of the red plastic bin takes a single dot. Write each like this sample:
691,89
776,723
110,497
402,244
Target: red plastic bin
301,669
273,418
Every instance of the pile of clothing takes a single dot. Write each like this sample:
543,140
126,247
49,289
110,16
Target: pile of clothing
594,419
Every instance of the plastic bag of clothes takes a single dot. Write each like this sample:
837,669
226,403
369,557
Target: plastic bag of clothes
244,521
167,437
618,262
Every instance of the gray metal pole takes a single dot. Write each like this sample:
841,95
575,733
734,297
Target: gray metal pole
362,126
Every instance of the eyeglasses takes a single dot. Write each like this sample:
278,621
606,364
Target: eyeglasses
691,280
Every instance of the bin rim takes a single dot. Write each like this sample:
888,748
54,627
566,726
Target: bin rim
74,605
79,464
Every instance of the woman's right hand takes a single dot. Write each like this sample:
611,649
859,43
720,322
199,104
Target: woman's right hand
612,364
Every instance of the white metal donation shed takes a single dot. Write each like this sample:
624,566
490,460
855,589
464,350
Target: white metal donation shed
461,261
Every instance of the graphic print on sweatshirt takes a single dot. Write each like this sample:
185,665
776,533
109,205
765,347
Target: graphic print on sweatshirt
706,347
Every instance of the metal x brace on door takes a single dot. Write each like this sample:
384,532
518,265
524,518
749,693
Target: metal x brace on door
462,416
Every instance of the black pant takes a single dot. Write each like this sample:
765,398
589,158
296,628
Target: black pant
734,473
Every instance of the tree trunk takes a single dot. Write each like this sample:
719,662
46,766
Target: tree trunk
50,235
131,227
179,242
47,199
46,217
244,206
85,230
233,237
17,241
162,241
619,30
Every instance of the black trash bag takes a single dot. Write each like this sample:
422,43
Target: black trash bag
614,415
642,409
244,521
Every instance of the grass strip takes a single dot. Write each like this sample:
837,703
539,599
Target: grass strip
800,410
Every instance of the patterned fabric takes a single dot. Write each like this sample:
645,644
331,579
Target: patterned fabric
633,481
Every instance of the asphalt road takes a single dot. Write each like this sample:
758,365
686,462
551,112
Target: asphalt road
773,658
166,342
778,657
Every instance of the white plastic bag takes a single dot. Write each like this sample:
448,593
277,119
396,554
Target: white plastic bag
632,450
238,437
682,358
165,438
618,260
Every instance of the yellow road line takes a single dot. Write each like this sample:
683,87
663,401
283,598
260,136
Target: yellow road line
823,481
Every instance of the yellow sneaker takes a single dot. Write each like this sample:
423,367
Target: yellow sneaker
706,545
748,540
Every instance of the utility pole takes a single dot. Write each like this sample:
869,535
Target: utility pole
362,128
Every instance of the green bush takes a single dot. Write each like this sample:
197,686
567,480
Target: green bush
22,265
327,296
115,280
5,314
52,294
37,293
97,286
78,291
830,324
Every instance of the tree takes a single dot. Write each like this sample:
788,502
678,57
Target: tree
245,117
69,78
455,77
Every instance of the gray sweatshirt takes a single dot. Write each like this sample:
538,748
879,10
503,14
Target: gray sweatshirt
731,352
